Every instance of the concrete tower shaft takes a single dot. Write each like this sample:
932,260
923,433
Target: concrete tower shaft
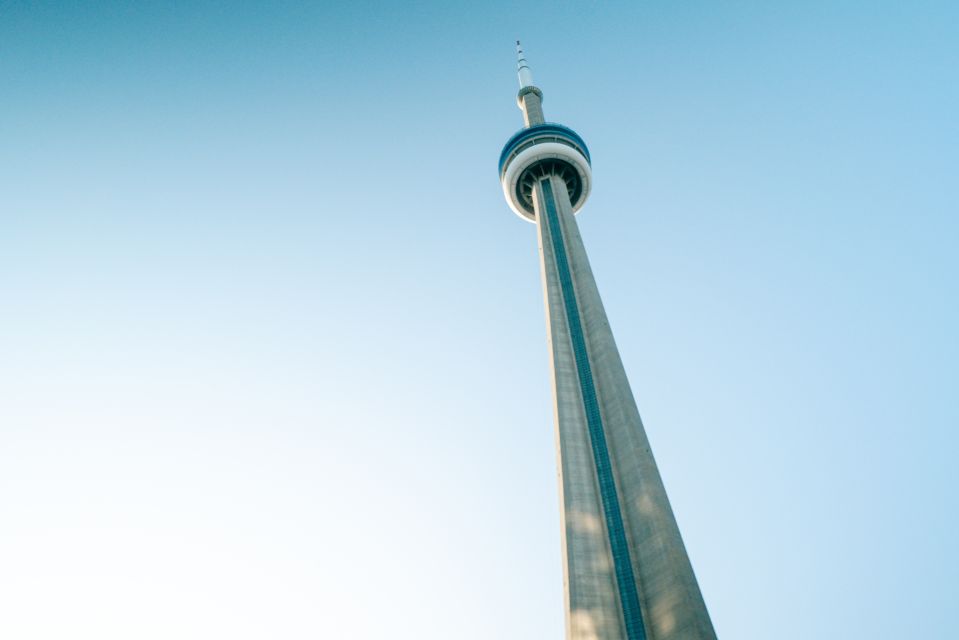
627,574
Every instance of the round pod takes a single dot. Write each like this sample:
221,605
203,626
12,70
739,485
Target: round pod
540,151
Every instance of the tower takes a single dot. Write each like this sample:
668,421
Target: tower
626,572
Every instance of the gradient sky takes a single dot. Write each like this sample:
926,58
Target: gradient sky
273,359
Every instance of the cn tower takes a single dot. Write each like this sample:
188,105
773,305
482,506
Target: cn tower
626,572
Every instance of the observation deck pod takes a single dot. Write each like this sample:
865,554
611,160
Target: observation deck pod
536,152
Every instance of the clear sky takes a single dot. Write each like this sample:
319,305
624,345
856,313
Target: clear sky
273,358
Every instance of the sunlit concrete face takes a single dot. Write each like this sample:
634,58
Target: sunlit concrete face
626,571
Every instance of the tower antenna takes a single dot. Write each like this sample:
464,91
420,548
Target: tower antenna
530,98
522,66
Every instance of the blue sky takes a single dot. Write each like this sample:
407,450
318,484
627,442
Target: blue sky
274,357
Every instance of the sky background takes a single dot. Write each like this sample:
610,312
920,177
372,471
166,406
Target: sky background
273,358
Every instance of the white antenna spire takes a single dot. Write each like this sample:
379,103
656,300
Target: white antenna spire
525,75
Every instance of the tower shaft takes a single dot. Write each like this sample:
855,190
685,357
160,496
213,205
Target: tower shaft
530,100
626,571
